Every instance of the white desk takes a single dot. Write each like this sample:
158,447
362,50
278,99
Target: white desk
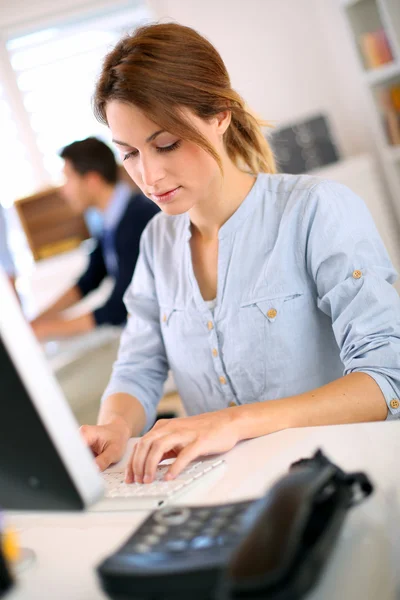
363,566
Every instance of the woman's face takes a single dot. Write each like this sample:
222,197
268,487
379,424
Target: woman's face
176,174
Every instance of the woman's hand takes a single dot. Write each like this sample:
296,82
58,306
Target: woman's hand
186,439
107,442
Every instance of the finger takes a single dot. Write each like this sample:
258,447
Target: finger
106,458
160,423
142,450
129,475
159,448
191,452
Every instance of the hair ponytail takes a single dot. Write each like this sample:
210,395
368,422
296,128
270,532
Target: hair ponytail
245,142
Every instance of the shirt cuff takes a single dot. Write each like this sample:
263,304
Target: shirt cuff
122,387
391,397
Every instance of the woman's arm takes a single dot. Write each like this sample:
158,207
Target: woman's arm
350,399
125,410
354,398
138,373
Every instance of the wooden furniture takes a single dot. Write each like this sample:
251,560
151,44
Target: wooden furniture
49,223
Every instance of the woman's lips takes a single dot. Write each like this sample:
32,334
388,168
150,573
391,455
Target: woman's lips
167,196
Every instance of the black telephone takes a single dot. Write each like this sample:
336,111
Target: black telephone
273,548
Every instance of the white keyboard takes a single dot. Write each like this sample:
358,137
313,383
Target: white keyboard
159,492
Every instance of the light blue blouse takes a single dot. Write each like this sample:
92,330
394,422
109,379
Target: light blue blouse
304,296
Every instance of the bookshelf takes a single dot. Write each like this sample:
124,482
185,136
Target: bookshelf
374,26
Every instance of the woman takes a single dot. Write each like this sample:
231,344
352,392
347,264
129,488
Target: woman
269,296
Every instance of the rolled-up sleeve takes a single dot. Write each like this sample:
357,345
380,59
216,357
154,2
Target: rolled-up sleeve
141,367
353,275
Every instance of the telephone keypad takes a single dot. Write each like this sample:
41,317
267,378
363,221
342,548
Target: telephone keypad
174,529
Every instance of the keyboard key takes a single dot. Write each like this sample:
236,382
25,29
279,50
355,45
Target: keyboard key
218,522
141,548
202,541
185,534
176,545
159,529
211,531
151,539
203,513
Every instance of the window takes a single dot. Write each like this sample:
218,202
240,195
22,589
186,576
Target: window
55,71
46,85
17,177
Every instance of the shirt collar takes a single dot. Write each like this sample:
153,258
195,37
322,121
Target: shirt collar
241,213
116,207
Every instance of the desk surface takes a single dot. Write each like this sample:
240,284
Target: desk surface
68,547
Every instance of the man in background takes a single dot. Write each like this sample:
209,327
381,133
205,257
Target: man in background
91,181
6,259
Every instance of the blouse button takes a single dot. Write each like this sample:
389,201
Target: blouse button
215,352
357,274
210,325
222,380
272,313
232,404
164,318
394,403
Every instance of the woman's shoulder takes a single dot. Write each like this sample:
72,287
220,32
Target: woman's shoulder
302,192
286,183
166,229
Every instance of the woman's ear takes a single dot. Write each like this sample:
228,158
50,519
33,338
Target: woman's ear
223,121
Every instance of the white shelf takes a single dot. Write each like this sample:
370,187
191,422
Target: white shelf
382,74
393,153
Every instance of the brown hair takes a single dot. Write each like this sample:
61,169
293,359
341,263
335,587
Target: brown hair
92,155
165,66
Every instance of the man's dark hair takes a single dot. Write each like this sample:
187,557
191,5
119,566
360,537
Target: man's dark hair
92,155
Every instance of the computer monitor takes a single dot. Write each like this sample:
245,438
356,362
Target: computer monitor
44,462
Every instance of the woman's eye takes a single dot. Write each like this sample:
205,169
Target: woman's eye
160,149
169,148
129,154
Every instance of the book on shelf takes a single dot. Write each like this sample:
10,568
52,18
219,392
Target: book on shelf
375,49
395,96
389,102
